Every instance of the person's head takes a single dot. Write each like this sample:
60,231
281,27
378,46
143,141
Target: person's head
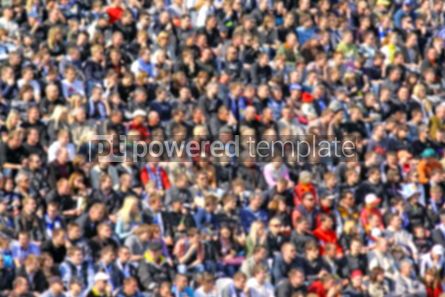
32,264
289,252
104,230
356,246
308,201
75,287
181,282
311,250
75,254
239,280
259,253
165,289
296,277
256,201
101,282
107,254
58,237
20,286
356,278
29,205
56,285
406,268
275,226
124,254
130,286
260,273
302,225
431,277
395,222
96,212
207,282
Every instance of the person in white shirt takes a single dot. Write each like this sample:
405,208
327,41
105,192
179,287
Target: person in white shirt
257,285
71,85
434,259
405,284
207,286
62,142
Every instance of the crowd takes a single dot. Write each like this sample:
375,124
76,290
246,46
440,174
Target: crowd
82,216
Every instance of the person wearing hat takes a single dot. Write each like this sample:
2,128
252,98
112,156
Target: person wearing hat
356,288
55,288
154,269
138,123
428,165
371,210
433,260
101,287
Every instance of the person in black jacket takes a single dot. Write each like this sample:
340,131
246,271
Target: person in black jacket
103,239
354,260
29,221
284,262
7,276
88,222
32,272
274,239
438,234
154,269
94,68
250,173
301,235
294,284
107,265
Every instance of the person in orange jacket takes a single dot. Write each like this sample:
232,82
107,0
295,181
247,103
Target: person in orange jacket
428,165
325,234
371,210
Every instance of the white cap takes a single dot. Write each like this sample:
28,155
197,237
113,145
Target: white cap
437,250
138,112
101,276
409,191
375,232
371,198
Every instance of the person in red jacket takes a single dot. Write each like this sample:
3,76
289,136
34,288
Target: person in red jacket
153,172
327,285
431,280
304,186
137,124
325,234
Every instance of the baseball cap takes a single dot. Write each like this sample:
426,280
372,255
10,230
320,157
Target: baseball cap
409,191
101,276
371,198
356,273
138,113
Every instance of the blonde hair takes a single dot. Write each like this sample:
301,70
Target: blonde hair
58,113
125,213
52,36
9,124
253,233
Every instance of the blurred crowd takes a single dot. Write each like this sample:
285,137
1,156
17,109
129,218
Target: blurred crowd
87,217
